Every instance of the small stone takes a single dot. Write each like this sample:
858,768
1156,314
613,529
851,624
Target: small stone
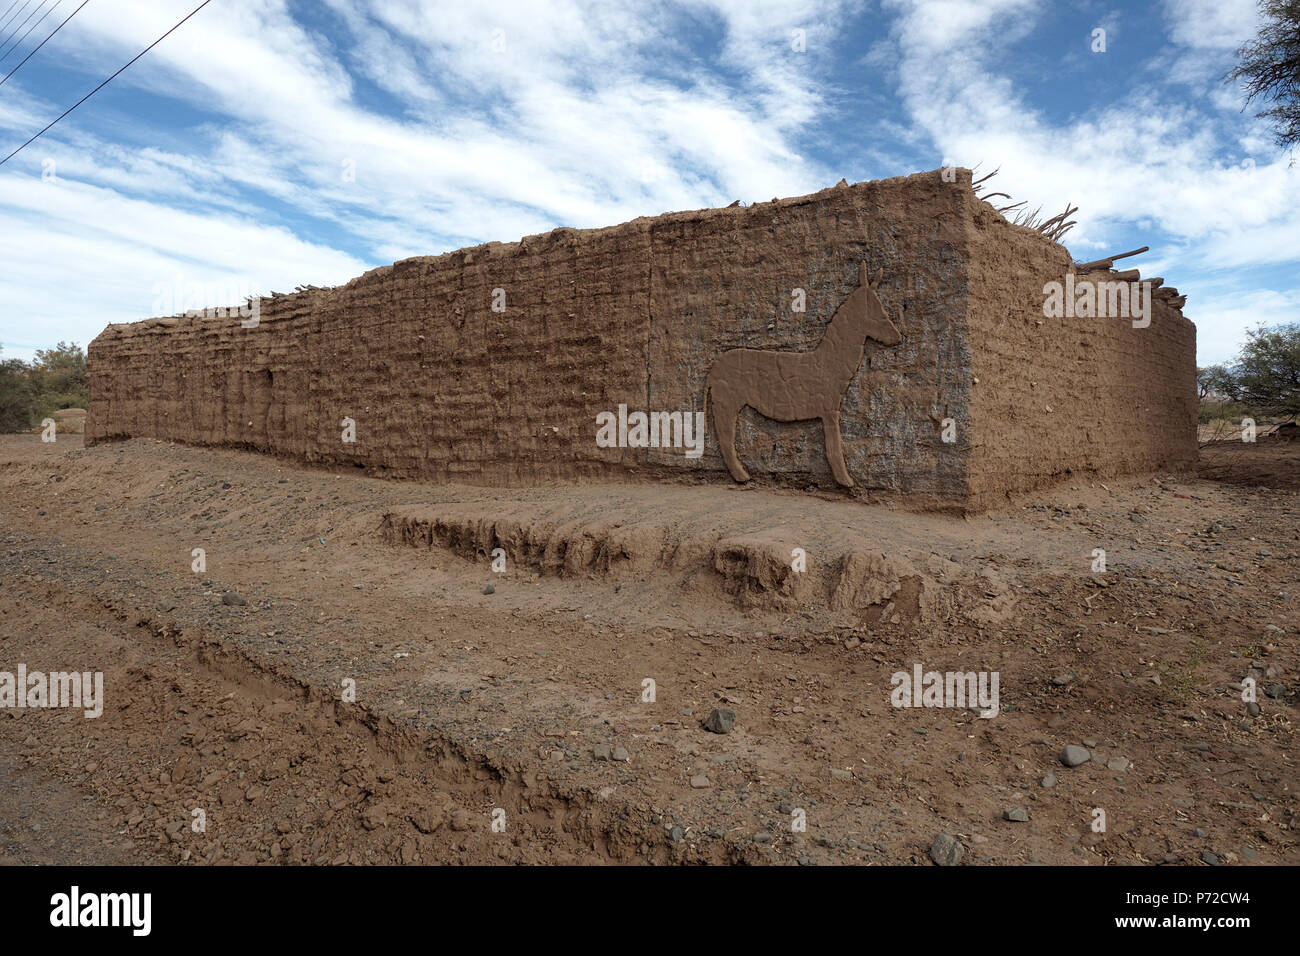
838,773
1117,764
1073,755
946,850
1210,858
1252,708
601,752
677,834
621,755
720,720
1249,854
1016,814
700,782
1276,691
1199,833
490,589
1061,680
234,599
1048,781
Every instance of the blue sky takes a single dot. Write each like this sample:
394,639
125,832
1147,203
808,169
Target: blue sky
267,143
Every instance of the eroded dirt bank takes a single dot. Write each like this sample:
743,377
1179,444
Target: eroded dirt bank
528,699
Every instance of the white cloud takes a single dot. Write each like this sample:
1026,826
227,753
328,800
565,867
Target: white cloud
100,257
574,122
1211,24
1143,159
588,114
1230,308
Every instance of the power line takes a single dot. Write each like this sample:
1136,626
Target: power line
20,10
13,33
29,30
105,83
43,42
5,45
5,25
8,8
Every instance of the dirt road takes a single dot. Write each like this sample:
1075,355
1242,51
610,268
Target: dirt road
341,677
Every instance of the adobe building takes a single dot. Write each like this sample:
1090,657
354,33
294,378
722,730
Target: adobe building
583,354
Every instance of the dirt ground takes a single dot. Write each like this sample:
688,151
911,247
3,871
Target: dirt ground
505,716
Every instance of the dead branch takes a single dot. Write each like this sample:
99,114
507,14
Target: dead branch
1107,262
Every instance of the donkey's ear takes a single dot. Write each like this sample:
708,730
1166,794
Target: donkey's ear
862,274
875,280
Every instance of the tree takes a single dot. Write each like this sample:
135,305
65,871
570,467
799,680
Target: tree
16,407
1267,373
1270,67
59,378
1216,383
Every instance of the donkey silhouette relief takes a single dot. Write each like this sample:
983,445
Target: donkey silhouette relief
799,386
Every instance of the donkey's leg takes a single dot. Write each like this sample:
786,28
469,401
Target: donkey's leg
725,410
835,450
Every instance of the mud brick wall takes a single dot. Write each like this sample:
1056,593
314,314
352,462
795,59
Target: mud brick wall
1061,398
439,385
444,388
726,281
